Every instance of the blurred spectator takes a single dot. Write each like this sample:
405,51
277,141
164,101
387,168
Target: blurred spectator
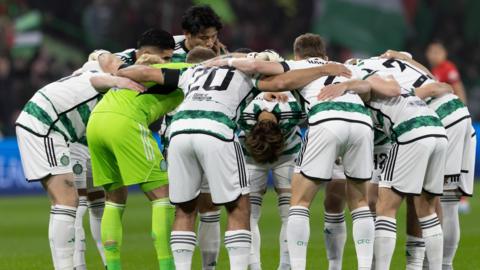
445,70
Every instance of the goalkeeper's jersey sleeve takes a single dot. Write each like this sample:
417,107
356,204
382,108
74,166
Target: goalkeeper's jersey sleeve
144,107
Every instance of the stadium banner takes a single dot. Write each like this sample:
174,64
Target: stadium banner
373,26
12,180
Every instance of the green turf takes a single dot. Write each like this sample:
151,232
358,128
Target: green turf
24,244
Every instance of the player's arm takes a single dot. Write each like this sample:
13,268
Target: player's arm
249,65
102,83
459,90
373,85
108,62
299,78
435,89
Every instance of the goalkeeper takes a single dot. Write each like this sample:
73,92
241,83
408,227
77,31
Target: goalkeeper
124,152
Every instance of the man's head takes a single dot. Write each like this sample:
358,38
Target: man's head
200,26
436,53
157,42
265,142
309,45
200,54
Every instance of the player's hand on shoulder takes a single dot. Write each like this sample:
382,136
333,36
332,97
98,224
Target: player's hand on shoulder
336,69
126,83
332,91
278,97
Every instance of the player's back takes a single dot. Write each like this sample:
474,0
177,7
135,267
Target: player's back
405,116
213,96
347,106
63,105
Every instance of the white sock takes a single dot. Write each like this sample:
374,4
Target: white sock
62,235
451,229
50,237
183,244
298,233
255,212
433,236
363,236
209,238
415,252
335,234
95,211
238,244
79,252
283,206
385,238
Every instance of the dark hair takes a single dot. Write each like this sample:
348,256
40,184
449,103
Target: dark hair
158,38
200,54
197,18
309,45
243,50
265,142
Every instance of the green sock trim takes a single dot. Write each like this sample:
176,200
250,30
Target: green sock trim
166,264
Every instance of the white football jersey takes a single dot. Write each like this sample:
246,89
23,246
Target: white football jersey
347,107
449,108
404,118
213,98
63,106
289,115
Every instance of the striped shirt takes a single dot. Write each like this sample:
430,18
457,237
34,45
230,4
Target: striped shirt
213,98
63,106
404,118
449,108
348,107
289,115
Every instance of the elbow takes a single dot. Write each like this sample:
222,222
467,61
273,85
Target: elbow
283,84
394,90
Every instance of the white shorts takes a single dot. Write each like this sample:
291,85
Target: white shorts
282,171
325,142
459,137
338,170
82,167
380,156
43,156
195,157
417,166
468,165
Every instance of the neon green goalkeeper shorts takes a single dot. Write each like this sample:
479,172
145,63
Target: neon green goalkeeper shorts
123,152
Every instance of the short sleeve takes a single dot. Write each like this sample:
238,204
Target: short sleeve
358,73
184,79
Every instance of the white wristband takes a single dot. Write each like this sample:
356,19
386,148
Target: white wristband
230,62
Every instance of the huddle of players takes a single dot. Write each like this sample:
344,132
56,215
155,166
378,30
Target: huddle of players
343,104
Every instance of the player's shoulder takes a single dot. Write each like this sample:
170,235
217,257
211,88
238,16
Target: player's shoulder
127,56
179,44
449,65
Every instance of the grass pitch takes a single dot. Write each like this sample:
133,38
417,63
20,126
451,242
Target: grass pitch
24,243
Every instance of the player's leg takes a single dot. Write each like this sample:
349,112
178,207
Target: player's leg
415,245
335,228
96,205
162,219
64,197
46,159
459,139
185,175
225,170
425,204
258,182
79,154
314,165
358,164
282,175
208,229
